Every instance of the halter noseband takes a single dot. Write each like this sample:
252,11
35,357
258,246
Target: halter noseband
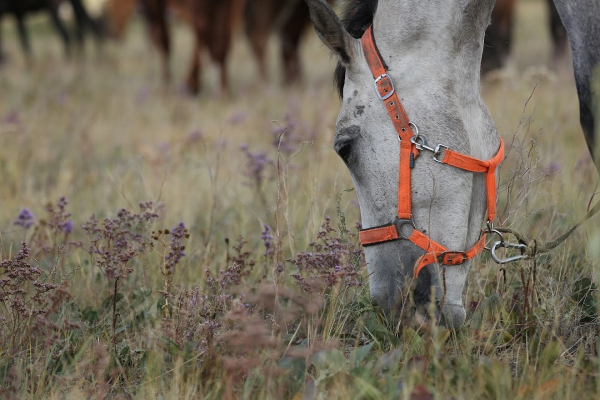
410,146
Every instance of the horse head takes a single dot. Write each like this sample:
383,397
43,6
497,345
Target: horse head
431,51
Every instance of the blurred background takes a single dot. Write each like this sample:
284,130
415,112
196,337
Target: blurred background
222,114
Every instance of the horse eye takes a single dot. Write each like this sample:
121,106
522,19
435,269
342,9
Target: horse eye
343,148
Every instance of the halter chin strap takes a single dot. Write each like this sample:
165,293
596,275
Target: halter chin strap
410,145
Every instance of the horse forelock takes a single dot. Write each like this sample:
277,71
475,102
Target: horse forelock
357,17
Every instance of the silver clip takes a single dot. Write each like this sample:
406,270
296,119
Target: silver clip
421,143
501,244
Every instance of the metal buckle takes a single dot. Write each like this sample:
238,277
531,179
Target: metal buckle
453,254
438,151
387,96
400,223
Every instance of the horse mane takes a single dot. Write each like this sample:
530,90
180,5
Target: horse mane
357,17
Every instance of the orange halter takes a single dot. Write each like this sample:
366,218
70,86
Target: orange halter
410,145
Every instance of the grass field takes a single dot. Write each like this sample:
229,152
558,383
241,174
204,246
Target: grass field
130,304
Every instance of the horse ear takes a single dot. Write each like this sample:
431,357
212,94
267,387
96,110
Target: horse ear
330,30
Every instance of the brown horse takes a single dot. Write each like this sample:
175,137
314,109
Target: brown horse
289,18
212,23
20,8
498,36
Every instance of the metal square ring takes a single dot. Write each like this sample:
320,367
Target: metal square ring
400,223
438,152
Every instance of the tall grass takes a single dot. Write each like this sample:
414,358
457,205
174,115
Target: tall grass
160,246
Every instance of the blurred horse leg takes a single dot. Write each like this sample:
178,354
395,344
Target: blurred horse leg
155,11
120,12
2,58
291,33
582,22
84,21
193,80
498,36
557,31
259,16
60,27
219,39
23,36
199,17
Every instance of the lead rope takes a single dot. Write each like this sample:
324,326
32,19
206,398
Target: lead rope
530,248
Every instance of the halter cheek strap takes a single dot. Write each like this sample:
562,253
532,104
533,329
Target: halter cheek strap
410,146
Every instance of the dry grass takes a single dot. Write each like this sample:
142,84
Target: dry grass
103,132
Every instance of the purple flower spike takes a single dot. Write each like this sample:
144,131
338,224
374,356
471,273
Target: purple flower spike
267,239
256,164
25,219
176,253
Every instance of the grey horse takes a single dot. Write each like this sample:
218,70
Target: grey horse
433,54
582,21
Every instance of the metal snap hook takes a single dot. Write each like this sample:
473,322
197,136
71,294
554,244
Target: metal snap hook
498,260
420,143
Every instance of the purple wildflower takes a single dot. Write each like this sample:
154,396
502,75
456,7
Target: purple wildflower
67,227
195,136
267,239
238,117
24,219
62,203
553,168
288,136
333,260
256,164
113,242
176,253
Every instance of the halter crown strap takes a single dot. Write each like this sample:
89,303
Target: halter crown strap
435,252
387,93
